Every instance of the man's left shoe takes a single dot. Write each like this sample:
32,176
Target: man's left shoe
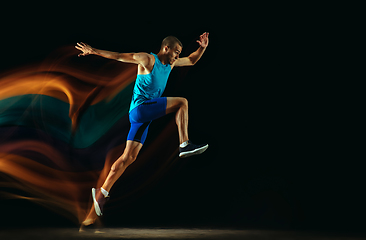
192,149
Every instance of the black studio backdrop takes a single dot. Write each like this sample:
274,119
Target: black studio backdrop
257,97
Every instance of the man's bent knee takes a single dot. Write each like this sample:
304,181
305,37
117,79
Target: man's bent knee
184,102
176,103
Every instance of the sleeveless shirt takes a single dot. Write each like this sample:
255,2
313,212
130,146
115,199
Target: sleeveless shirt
152,85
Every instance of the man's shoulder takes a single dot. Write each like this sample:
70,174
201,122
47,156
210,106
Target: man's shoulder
146,62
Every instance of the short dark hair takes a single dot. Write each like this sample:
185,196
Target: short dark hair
170,41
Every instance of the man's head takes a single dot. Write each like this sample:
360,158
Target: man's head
171,47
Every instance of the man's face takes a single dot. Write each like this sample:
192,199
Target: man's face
173,53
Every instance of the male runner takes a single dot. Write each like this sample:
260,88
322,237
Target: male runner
147,104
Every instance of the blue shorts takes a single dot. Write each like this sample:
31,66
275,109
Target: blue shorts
142,115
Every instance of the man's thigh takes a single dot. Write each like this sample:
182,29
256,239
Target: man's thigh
138,132
149,110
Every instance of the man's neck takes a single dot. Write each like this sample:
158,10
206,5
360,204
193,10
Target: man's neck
162,58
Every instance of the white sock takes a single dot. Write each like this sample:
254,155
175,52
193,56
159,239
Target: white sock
183,144
105,193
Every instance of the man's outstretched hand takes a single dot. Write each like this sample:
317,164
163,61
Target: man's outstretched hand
85,48
203,42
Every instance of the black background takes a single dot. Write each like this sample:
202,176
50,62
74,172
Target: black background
260,96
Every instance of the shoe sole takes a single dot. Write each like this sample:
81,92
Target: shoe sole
193,152
96,204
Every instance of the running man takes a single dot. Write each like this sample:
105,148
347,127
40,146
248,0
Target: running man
147,104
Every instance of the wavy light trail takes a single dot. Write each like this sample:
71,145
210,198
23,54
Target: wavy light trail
63,124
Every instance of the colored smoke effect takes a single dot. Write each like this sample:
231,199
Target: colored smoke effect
62,125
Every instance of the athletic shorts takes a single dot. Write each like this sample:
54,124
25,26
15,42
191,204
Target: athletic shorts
142,115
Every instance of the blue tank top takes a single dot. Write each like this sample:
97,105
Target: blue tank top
152,85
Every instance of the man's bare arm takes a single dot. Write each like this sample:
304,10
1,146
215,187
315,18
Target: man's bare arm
137,58
195,56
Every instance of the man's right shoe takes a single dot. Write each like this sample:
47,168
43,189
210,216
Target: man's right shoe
192,149
99,200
